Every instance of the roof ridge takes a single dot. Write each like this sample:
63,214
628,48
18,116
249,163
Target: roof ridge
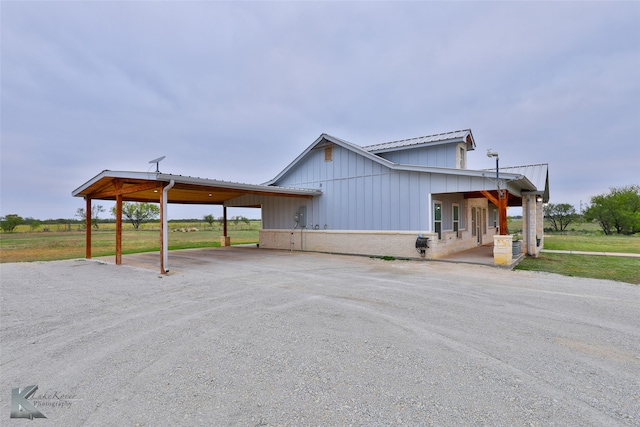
416,137
522,166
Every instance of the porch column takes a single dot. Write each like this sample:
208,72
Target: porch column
225,240
539,224
163,216
503,198
530,221
118,229
525,224
164,229
87,239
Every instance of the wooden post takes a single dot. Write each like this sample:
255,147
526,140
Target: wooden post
118,229
502,211
224,220
87,244
501,203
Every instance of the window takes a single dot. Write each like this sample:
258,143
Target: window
495,217
484,221
473,221
437,218
462,165
328,154
456,219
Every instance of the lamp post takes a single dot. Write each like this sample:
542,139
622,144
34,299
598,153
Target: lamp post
502,197
494,154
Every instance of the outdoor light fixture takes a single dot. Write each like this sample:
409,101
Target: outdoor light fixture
539,199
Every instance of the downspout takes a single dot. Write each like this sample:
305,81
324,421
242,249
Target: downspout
165,234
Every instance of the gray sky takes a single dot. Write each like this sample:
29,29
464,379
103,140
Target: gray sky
236,90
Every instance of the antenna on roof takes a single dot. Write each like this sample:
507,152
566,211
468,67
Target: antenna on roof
157,162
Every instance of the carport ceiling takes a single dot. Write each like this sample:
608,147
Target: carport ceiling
146,187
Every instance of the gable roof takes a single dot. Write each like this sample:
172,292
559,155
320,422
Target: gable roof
441,138
368,152
528,178
323,139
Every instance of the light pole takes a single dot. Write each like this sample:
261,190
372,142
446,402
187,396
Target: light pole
494,154
502,198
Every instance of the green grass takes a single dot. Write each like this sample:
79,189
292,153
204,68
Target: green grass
592,243
24,245
623,269
56,245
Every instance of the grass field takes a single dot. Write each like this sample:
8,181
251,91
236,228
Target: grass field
54,245
596,267
586,238
25,245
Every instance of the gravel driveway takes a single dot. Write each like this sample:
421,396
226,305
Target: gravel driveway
252,337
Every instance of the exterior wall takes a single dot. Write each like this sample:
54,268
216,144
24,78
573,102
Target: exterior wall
485,229
361,194
445,156
397,244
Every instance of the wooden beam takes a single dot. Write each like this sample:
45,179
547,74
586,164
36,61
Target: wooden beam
126,190
501,202
490,197
87,242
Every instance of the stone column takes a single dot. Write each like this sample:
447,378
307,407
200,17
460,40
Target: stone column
503,249
532,224
525,223
539,225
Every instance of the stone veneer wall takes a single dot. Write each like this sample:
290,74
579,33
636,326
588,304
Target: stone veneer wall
399,244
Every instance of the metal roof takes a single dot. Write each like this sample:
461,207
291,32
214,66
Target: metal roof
144,187
537,174
460,135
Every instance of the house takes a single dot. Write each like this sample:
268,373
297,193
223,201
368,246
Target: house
376,199
413,198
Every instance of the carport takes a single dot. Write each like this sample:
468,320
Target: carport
156,187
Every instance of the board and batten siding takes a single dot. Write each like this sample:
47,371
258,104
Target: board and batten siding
443,156
359,193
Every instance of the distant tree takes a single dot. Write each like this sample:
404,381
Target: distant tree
96,210
238,218
560,215
138,213
33,223
221,220
616,211
210,219
10,222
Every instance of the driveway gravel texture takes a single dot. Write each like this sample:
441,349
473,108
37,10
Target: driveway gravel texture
254,337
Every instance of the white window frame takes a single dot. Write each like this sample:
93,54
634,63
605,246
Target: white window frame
455,222
437,221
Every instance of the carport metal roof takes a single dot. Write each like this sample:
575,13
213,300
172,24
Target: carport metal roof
167,188
144,187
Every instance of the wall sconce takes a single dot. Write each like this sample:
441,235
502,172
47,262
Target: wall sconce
539,199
